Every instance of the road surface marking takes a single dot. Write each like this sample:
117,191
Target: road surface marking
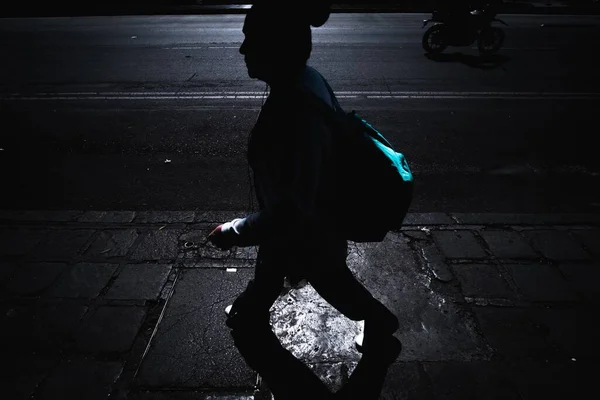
375,95
525,48
316,47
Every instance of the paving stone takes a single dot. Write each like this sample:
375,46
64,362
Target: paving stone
406,380
78,379
194,246
436,263
488,218
419,235
107,216
572,331
556,245
62,244
112,243
40,215
553,380
590,239
583,278
218,217
459,244
507,244
92,216
433,326
19,241
26,372
110,329
189,395
192,346
434,218
83,280
247,253
39,327
211,252
224,264
139,281
524,219
6,270
34,278
483,281
512,332
157,245
541,282
164,216
470,380
196,237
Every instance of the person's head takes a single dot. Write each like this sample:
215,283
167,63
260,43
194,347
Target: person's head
278,42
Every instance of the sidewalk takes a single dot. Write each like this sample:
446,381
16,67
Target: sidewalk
87,9
492,306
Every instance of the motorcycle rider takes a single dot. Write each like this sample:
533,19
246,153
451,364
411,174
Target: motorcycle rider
460,10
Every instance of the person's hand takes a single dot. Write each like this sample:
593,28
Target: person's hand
223,237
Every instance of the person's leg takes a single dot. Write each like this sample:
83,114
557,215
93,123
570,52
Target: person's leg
340,288
268,279
261,292
335,282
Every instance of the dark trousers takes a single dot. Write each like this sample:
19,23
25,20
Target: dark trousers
325,269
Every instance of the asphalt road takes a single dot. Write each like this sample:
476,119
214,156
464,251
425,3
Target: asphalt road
153,112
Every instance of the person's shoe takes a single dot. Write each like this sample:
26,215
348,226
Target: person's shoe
240,319
385,352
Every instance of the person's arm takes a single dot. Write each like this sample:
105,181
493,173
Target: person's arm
294,214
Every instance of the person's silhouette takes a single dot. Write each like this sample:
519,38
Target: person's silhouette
291,156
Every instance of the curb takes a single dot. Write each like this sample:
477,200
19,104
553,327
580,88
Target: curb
58,11
112,217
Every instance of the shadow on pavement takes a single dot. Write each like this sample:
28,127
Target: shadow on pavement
476,61
288,378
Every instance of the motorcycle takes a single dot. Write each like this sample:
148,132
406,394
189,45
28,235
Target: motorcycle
464,30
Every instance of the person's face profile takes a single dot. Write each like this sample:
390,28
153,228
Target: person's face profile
261,48
253,47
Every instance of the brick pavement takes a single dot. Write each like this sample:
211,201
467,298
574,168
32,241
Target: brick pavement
131,304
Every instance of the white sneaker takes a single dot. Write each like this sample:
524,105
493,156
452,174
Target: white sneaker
358,340
228,309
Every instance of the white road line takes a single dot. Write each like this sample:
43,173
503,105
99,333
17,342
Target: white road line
341,92
185,48
200,47
255,95
393,47
473,97
525,48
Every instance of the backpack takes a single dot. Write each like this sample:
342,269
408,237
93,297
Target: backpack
373,182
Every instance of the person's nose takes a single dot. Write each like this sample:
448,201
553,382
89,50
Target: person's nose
243,48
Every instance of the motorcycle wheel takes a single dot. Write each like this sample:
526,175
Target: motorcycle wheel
490,40
433,40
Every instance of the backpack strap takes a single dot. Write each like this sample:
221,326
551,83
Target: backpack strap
336,104
334,115
338,116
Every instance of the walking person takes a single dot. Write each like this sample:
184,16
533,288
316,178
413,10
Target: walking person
290,155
